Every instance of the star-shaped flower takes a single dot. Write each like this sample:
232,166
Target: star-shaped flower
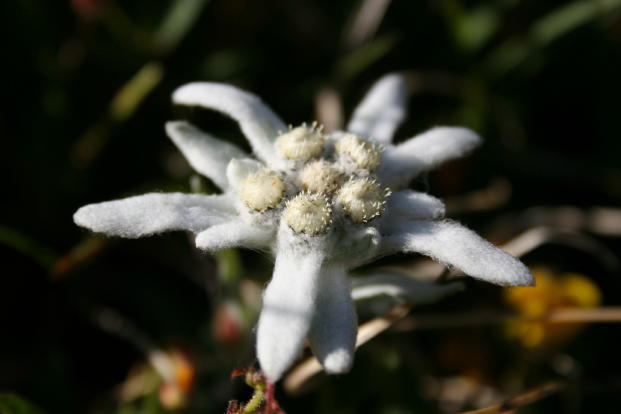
321,203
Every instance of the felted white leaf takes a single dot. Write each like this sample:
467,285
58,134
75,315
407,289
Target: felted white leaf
234,233
333,331
206,154
153,213
357,246
455,245
382,109
399,286
257,121
238,169
289,304
423,152
414,205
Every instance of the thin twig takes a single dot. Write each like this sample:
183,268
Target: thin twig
114,323
535,237
365,22
527,398
491,197
490,317
329,109
295,381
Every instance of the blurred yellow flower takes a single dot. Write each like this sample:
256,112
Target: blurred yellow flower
553,291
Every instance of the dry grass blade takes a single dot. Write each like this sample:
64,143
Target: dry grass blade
495,195
365,22
605,221
329,109
537,236
112,322
527,398
300,375
489,317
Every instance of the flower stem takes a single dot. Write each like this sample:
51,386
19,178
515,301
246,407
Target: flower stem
255,402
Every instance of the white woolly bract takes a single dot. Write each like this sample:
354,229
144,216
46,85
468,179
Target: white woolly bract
301,143
149,214
365,154
332,334
257,121
362,199
382,109
320,177
235,233
308,213
414,205
423,152
261,190
205,153
400,287
289,304
455,245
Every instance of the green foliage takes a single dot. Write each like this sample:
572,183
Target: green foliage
13,404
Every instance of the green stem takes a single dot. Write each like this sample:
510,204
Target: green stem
255,402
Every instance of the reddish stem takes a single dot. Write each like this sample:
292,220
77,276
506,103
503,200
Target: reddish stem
269,400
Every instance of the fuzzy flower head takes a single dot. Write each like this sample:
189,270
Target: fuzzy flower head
322,204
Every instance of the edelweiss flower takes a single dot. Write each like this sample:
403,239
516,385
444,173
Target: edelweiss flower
321,203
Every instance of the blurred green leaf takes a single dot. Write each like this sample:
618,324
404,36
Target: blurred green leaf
29,247
569,17
546,30
12,404
360,59
224,64
474,29
471,29
229,266
124,104
131,95
121,27
179,19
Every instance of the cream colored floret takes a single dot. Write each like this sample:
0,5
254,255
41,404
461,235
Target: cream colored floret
362,199
320,177
308,213
364,153
301,143
261,190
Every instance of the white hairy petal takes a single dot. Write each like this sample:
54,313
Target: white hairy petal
425,151
333,331
357,246
238,169
257,121
455,245
382,109
206,154
415,205
401,286
148,214
289,303
235,233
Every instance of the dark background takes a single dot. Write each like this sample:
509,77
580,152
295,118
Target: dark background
540,81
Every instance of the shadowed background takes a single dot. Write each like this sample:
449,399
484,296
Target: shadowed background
86,92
